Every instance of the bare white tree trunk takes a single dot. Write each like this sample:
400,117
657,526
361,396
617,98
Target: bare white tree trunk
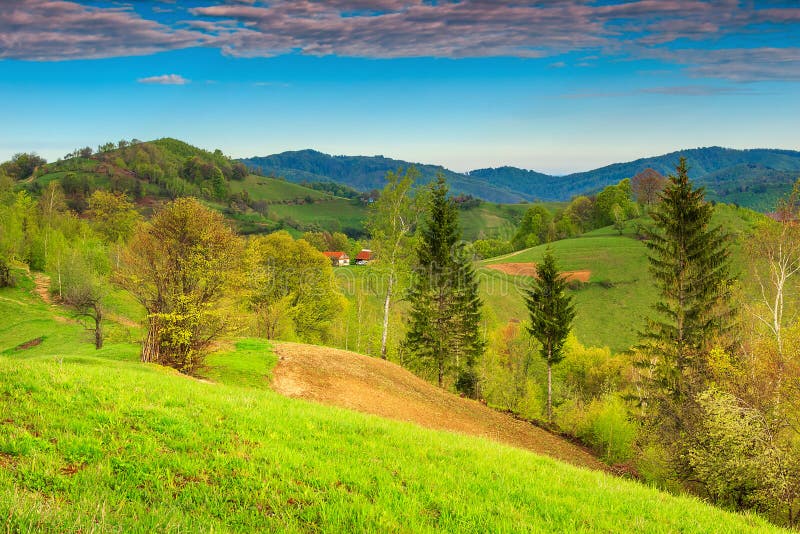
385,334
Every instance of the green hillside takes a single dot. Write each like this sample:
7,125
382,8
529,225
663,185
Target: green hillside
274,191
613,305
368,172
495,220
155,171
333,215
753,178
96,441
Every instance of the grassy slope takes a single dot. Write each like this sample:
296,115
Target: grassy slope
93,440
610,309
338,214
487,220
273,190
614,305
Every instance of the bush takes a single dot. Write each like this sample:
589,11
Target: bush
489,248
575,284
609,429
7,278
603,424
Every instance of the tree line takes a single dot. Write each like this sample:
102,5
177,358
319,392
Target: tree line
614,205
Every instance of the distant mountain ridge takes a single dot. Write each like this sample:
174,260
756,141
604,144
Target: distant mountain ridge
368,172
753,177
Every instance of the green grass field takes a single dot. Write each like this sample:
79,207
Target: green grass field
336,215
94,441
273,190
612,308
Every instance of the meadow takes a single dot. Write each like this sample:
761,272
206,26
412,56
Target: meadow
96,441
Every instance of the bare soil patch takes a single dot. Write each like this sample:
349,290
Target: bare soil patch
374,386
29,344
529,269
42,287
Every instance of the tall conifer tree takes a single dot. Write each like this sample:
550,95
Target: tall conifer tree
444,331
551,313
689,260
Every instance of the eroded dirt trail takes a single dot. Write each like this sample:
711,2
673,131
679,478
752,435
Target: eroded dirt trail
42,287
377,387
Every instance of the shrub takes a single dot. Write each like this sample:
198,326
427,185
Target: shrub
7,278
609,429
575,284
603,424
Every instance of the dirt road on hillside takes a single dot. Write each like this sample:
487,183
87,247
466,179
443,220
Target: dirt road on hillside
377,387
529,269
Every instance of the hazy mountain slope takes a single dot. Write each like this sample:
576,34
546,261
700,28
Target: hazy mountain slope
369,172
764,174
707,166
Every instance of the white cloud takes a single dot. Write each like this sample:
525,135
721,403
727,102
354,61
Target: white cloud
165,79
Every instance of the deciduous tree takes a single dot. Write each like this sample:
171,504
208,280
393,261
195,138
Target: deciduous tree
183,267
112,215
83,291
391,225
647,185
292,288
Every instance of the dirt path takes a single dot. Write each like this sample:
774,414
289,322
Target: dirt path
42,287
503,257
374,386
529,269
119,319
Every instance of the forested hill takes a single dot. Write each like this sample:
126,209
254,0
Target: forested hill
754,178
369,172
723,171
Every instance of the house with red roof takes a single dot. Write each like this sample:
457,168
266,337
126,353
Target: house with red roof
338,259
364,257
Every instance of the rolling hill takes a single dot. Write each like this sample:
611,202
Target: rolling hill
368,172
152,172
753,178
96,441
613,305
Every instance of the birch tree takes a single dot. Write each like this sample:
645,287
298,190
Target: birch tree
775,262
392,223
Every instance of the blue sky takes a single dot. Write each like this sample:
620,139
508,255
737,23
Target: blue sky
551,86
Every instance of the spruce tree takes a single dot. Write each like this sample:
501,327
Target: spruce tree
551,313
689,261
444,323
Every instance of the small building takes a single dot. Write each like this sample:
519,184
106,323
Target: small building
364,257
338,259
783,216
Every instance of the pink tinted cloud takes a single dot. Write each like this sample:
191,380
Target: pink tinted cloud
47,30
476,28
736,64
165,79
402,28
53,29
